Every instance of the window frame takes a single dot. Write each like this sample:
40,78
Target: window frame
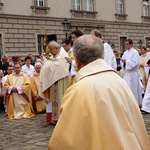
37,3
122,39
75,4
146,6
120,10
84,12
40,41
2,43
146,41
84,5
88,5
40,9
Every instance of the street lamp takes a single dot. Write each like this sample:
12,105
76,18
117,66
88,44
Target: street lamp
140,43
66,25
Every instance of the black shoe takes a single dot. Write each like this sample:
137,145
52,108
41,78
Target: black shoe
51,123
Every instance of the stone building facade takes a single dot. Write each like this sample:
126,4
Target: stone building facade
23,25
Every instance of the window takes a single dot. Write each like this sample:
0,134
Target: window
89,5
122,44
120,7
83,9
41,41
120,10
1,45
40,7
145,7
86,5
39,3
1,6
147,39
77,4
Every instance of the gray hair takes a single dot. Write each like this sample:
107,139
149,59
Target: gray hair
88,48
38,64
54,44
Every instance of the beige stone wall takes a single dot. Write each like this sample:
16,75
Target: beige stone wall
113,31
20,34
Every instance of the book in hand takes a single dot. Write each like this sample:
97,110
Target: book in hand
148,62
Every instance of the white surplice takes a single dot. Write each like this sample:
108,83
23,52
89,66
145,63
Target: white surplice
146,99
109,56
131,72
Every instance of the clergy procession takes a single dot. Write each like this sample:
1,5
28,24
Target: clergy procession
93,94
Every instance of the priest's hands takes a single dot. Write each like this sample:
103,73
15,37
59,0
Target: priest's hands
69,60
36,97
123,60
14,89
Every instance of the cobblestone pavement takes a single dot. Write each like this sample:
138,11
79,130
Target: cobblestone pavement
147,123
32,133
24,134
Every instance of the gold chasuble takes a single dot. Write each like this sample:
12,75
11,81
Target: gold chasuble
142,72
70,54
18,105
54,81
39,103
97,114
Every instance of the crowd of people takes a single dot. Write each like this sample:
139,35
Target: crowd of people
20,85
133,66
90,92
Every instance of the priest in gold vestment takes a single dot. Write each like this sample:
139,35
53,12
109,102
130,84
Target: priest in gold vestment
54,81
38,103
98,112
18,95
142,72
